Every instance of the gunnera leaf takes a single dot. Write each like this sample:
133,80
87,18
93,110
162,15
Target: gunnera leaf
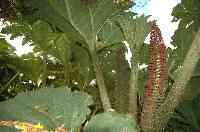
52,107
110,122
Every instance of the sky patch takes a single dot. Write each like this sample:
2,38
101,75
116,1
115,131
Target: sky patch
141,7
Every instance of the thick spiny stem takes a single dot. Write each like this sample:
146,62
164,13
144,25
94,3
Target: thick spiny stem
175,94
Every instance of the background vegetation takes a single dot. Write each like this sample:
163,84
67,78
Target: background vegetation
77,76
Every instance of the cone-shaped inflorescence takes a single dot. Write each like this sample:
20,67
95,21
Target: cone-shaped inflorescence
157,75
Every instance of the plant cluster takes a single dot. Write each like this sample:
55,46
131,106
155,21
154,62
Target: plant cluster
77,78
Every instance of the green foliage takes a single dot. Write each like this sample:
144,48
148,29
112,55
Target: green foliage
5,47
8,74
69,38
85,25
187,12
82,68
47,44
42,33
135,30
116,71
187,117
110,35
110,122
29,65
18,29
52,107
142,75
8,129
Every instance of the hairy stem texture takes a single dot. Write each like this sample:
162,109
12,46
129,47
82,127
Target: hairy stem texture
175,95
133,108
101,84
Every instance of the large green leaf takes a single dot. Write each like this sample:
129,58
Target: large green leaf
83,71
42,34
83,24
135,30
110,122
49,106
188,14
110,35
51,44
60,48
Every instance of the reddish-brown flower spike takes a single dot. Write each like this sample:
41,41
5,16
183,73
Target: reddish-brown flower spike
157,75
157,70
